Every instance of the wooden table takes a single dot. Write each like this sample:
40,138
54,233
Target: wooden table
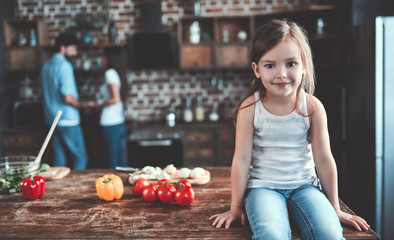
71,209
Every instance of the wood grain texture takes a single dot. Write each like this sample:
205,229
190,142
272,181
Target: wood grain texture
55,173
71,209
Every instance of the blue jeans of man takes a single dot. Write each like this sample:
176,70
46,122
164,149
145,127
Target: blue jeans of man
268,213
69,140
114,145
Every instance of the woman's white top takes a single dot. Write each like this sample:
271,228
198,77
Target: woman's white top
112,114
282,155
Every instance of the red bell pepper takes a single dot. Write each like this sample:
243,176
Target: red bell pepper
33,187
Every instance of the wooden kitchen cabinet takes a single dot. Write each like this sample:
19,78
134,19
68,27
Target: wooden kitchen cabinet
322,23
232,38
232,55
23,58
219,44
229,37
21,55
227,29
197,56
208,144
14,29
198,147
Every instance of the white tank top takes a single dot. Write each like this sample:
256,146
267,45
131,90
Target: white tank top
282,155
112,114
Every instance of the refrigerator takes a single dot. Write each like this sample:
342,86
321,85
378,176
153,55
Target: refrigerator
370,125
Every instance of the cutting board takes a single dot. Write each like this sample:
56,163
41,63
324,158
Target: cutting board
55,173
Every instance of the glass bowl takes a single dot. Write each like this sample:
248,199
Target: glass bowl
15,168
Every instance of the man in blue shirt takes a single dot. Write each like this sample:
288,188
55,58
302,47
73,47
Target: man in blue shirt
60,93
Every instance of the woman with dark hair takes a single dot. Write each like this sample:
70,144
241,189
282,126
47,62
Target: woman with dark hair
112,119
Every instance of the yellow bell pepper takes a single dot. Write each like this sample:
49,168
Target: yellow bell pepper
109,187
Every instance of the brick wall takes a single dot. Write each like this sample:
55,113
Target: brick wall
151,93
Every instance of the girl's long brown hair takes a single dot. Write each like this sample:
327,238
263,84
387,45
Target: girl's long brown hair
267,37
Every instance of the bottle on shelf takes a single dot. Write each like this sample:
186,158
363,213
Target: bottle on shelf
187,112
112,32
320,26
195,32
197,8
26,90
199,110
87,37
22,40
33,39
171,117
214,115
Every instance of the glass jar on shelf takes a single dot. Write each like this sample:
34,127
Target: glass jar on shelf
199,110
214,115
195,32
187,112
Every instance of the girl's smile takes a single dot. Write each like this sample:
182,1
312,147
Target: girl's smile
281,84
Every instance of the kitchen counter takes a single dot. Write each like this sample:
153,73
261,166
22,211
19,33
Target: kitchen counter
71,209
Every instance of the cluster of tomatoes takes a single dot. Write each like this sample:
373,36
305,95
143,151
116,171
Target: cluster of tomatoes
166,191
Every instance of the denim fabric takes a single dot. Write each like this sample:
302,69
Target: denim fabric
69,140
268,212
114,145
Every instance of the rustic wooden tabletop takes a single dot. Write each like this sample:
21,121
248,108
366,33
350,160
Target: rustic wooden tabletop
71,209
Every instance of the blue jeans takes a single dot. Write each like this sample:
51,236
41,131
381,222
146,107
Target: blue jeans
268,213
114,145
69,140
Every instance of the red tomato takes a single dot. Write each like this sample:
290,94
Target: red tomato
150,193
162,181
139,185
185,182
185,196
166,194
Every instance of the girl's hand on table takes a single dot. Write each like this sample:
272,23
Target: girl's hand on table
353,220
228,217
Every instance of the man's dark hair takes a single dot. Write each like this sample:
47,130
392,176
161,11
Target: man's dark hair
66,39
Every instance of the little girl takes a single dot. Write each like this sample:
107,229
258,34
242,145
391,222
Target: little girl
282,150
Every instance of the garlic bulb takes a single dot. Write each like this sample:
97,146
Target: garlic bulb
146,176
148,169
197,172
170,169
163,175
184,173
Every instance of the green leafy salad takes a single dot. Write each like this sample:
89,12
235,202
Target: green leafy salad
11,180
